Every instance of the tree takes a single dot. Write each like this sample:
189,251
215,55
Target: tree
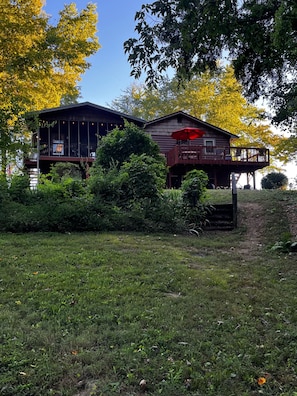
146,102
40,63
191,36
70,98
118,145
216,98
128,167
14,136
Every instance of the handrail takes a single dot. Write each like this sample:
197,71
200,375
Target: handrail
191,154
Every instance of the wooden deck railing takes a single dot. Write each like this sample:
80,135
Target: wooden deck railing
187,154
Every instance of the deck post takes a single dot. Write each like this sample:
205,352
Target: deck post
254,180
234,200
38,154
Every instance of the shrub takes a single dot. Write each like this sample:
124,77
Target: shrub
73,188
3,189
274,180
194,187
19,190
43,216
50,192
64,170
106,185
169,214
144,177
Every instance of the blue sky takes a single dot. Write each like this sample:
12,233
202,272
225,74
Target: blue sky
109,73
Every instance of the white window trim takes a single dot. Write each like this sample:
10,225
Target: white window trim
206,147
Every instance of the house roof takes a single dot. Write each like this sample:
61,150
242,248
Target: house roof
196,120
92,106
133,118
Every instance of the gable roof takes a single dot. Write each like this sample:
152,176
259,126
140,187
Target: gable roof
92,106
132,118
194,119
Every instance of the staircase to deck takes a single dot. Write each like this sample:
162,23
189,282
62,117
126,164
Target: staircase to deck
221,218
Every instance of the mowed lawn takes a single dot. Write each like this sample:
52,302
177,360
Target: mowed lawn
133,314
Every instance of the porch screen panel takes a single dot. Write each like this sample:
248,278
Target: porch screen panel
44,142
64,136
102,129
111,127
74,152
54,136
93,137
83,133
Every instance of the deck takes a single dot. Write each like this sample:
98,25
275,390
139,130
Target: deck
202,155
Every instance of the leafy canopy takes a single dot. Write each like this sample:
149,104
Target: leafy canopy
118,145
190,36
40,62
216,98
14,135
129,170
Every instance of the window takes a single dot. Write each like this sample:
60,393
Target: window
209,146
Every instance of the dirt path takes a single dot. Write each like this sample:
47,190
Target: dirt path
251,216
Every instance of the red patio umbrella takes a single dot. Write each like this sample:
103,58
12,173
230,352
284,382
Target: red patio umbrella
187,134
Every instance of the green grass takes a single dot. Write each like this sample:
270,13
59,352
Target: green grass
94,314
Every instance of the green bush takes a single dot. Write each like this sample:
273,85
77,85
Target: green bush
286,244
144,177
4,194
44,216
48,191
194,187
168,215
19,190
64,170
106,185
124,192
73,188
274,180
17,217
58,191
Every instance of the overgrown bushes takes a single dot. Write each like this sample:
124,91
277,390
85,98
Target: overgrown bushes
118,196
104,204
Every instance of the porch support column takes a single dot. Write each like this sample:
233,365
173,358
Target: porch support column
254,180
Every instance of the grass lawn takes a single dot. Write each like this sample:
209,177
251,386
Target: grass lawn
95,314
